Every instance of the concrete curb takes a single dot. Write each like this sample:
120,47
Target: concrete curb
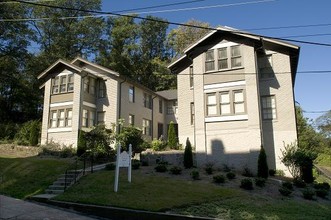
120,213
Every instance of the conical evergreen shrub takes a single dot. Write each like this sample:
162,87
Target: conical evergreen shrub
262,165
188,155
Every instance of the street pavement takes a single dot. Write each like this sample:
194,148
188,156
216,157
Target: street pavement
11,208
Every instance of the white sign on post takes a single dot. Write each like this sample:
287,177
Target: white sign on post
122,160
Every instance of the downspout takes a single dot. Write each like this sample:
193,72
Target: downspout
152,128
258,93
120,106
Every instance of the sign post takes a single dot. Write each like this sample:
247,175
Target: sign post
122,160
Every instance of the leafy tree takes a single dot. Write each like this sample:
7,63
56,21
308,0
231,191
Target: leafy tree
188,155
131,135
98,141
324,124
299,162
172,139
183,36
119,49
308,138
67,38
15,85
262,167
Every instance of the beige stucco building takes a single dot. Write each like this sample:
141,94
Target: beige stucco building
235,93
81,94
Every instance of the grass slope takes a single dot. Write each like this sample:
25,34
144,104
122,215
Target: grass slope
154,193
197,198
24,177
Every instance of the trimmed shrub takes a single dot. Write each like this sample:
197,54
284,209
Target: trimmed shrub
260,181
81,144
323,193
158,145
195,175
272,172
135,164
323,185
285,191
280,173
308,193
287,185
110,166
176,170
34,133
219,178
209,168
172,139
144,163
298,182
231,175
247,172
246,183
226,168
161,168
188,155
262,165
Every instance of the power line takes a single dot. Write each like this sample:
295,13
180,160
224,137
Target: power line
172,23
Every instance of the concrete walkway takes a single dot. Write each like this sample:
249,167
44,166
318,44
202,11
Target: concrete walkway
11,208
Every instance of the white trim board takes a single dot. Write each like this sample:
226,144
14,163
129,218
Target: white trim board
224,85
88,104
227,118
58,104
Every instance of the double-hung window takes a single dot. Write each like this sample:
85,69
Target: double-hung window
55,85
227,58
222,58
60,118
235,56
268,107
211,104
69,118
131,94
238,102
131,120
53,119
147,127
92,86
101,118
102,89
160,106
70,85
63,84
147,101
192,113
225,104
210,62
191,76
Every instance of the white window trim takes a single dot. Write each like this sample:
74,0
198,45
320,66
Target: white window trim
227,118
217,86
60,129
60,104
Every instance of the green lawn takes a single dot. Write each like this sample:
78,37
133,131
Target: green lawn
324,159
146,192
198,198
23,177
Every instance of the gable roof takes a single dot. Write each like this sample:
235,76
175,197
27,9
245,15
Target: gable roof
168,94
57,64
234,32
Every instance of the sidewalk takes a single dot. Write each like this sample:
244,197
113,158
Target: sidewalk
11,208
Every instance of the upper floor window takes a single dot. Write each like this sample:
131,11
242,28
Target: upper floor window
191,76
268,107
225,103
172,108
210,62
89,85
192,113
147,101
160,106
227,58
102,89
264,63
63,84
131,94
